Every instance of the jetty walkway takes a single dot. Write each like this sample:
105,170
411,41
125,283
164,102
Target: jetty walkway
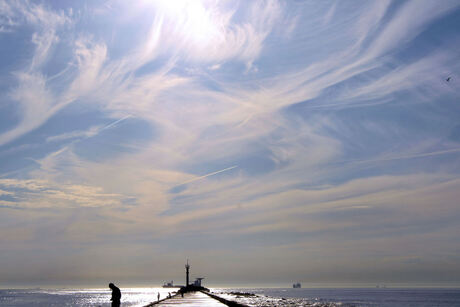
193,299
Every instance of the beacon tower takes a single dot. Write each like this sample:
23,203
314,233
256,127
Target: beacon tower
187,268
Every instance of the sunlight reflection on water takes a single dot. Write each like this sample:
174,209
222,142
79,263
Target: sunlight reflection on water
80,297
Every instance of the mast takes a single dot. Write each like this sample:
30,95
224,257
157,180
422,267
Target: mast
187,268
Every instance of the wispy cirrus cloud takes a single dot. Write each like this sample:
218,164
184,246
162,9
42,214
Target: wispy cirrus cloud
194,28
74,134
36,100
405,25
35,194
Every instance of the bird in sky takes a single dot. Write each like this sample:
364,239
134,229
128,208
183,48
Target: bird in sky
448,79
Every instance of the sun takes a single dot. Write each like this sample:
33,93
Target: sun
197,21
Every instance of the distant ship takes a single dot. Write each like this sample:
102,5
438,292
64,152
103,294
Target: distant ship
171,285
297,285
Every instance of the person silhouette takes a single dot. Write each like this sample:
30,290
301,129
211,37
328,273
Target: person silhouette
158,296
116,295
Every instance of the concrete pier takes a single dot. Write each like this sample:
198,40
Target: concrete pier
193,299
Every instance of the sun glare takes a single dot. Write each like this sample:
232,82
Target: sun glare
196,22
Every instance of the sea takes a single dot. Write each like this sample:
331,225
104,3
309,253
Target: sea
326,297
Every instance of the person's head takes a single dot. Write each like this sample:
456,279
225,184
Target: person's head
111,285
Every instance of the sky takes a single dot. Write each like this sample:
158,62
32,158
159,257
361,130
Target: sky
268,142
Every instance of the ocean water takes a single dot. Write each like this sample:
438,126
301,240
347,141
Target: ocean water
357,297
394,297
80,297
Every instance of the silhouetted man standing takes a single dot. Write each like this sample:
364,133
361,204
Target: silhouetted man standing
116,295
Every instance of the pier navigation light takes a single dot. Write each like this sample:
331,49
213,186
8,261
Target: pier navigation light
187,268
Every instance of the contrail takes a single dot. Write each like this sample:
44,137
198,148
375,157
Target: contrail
58,152
207,175
90,136
420,155
427,154
114,123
